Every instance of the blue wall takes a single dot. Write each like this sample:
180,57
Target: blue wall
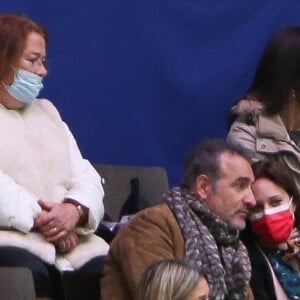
141,81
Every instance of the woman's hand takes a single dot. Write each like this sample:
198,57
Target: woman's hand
67,243
57,220
295,235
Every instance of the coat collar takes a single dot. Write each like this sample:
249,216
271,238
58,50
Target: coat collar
267,126
271,126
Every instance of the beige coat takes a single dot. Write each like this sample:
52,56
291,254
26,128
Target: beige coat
264,137
152,235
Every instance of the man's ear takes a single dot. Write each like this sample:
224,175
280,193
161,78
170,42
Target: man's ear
202,186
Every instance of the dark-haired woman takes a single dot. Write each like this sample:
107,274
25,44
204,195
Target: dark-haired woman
266,121
271,236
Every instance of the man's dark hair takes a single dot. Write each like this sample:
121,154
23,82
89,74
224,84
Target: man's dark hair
204,158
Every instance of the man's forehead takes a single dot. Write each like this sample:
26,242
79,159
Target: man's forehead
236,164
233,157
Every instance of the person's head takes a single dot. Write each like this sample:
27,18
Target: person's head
276,199
22,46
277,76
172,279
221,175
17,33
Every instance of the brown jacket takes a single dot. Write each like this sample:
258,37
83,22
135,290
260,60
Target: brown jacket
152,235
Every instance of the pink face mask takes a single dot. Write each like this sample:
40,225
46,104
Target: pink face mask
273,225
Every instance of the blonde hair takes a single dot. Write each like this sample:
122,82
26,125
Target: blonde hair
168,279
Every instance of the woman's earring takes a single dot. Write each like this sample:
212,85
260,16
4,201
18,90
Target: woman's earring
293,94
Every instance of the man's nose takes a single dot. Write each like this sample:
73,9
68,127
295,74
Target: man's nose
249,199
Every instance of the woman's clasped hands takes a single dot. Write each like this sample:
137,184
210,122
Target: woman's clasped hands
56,223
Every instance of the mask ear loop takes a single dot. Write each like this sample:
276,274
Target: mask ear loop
293,206
290,248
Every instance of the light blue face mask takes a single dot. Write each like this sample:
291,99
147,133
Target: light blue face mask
25,87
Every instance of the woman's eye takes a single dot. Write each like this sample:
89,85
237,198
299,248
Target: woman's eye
32,61
36,61
275,202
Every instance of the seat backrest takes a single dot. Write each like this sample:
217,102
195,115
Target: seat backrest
153,182
16,283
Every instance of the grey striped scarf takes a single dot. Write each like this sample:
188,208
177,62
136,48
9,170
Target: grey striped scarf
211,246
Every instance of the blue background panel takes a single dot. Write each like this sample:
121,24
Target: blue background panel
141,81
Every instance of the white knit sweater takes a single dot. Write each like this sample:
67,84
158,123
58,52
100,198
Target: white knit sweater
39,159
